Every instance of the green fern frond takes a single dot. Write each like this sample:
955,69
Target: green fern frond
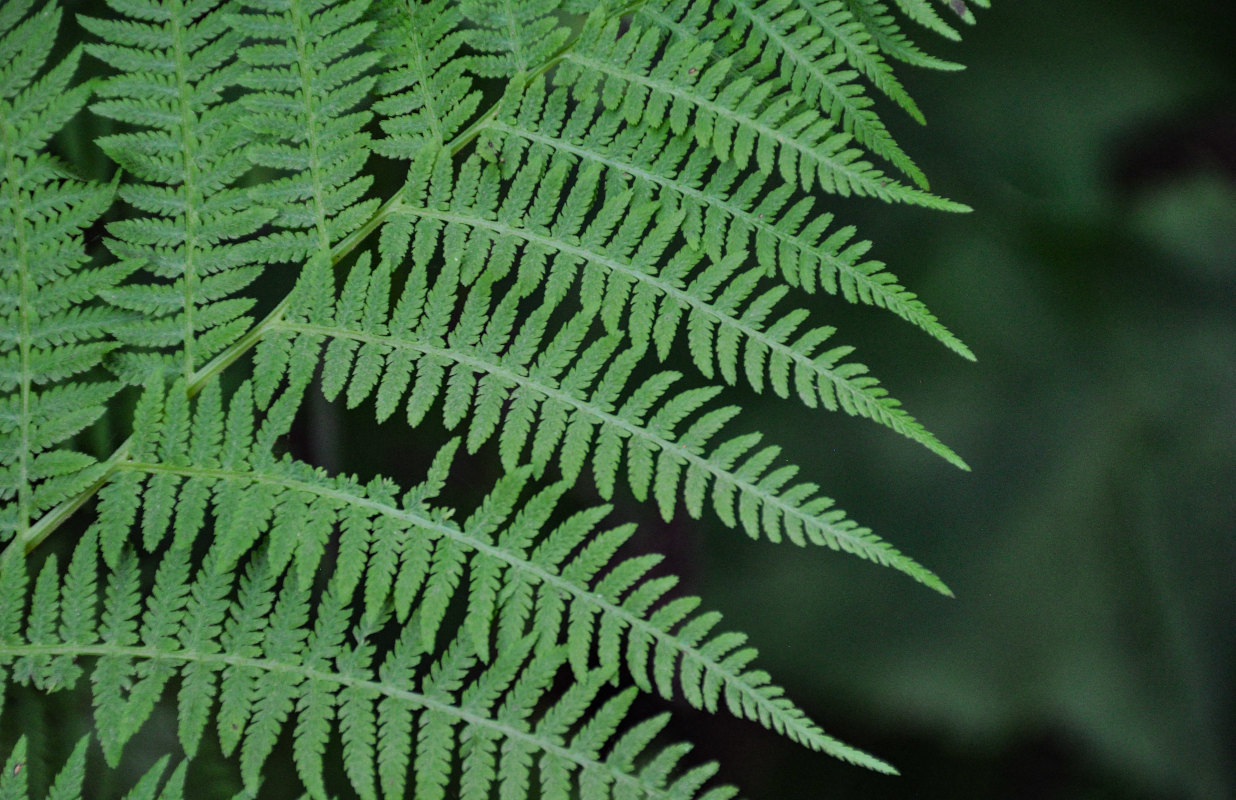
274,654
175,63
593,189
741,117
513,38
426,91
308,74
723,211
53,330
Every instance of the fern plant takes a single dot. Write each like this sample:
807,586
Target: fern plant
608,214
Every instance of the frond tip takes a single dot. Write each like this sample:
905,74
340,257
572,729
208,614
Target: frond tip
739,118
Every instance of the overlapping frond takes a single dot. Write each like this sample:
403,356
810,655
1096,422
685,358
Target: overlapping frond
426,92
886,33
308,75
723,209
174,63
52,329
650,77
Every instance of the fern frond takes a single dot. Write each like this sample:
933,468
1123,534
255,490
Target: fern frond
175,64
878,21
925,14
277,654
837,20
853,38
411,558
729,325
513,38
52,329
809,44
741,117
723,211
488,371
816,64
308,74
426,92
592,190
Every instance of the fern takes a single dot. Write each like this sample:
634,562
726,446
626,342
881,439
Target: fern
551,413
714,217
600,220
51,337
175,64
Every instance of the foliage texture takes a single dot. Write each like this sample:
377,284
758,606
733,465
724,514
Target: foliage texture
567,235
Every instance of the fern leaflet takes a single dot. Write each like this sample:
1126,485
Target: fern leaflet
53,332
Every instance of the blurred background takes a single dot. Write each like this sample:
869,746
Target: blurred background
1091,649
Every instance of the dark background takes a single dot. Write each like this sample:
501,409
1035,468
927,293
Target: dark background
1090,650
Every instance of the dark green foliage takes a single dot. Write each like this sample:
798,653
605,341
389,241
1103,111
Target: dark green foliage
597,203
